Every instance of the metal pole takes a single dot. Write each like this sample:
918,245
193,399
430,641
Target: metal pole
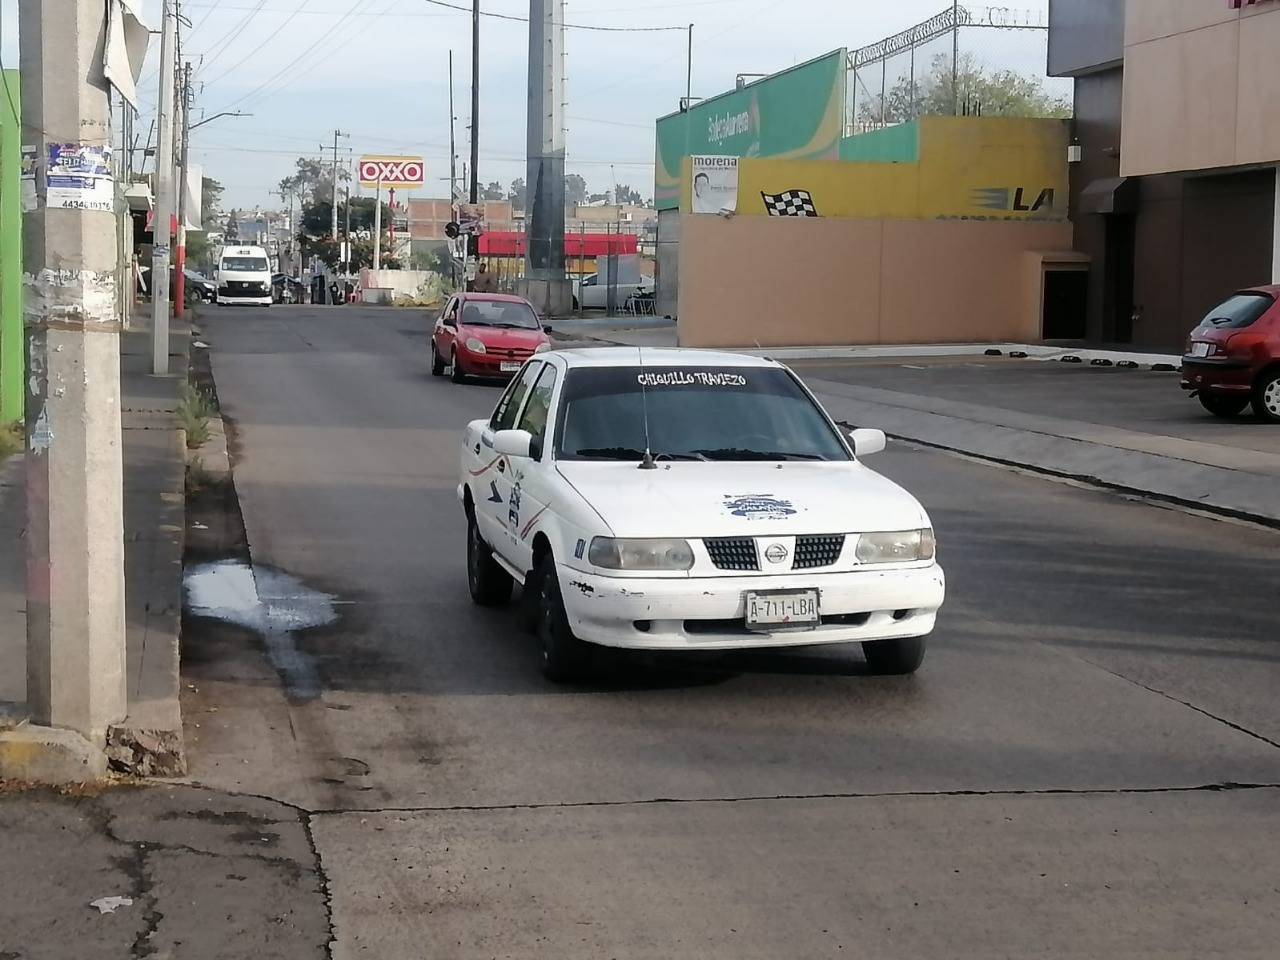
74,489
377,227
180,264
955,57
473,240
346,231
164,213
453,176
333,198
688,76
391,236
884,92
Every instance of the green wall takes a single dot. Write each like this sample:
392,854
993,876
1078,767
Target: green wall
797,114
896,144
12,356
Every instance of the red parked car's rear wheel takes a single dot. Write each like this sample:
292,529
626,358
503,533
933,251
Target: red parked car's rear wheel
1266,396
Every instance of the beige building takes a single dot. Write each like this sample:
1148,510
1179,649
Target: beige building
1174,185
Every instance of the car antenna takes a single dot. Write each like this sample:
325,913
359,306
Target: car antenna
647,462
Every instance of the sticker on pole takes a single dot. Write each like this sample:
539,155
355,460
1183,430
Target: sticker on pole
79,177
392,172
27,189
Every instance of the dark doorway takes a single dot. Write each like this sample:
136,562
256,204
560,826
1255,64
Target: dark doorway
1066,299
1120,249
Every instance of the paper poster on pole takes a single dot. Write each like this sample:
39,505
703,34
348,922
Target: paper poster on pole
715,184
79,177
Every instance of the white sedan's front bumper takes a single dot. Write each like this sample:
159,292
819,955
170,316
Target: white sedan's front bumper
709,613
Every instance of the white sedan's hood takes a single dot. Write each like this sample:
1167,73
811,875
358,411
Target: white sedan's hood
695,500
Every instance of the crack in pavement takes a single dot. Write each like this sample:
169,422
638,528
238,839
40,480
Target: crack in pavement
308,825
1223,787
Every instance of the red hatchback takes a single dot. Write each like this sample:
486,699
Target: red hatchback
486,335
1233,357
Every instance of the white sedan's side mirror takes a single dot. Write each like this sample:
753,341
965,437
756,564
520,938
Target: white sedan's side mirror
514,443
866,441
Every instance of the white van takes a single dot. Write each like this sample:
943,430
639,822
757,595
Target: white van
243,276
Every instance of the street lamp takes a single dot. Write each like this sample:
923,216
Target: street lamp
224,113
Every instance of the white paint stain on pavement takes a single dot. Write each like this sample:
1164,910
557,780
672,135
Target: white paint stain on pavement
272,604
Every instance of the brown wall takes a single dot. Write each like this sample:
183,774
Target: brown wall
781,281
1201,82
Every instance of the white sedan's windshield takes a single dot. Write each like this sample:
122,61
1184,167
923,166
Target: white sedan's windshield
716,413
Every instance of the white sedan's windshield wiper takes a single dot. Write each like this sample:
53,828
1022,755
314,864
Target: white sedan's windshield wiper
738,453
610,453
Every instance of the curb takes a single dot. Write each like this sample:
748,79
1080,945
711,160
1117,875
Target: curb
1230,493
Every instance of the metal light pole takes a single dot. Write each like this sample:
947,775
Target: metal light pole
180,262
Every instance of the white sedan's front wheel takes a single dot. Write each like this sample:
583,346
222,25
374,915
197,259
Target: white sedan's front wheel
894,657
564,657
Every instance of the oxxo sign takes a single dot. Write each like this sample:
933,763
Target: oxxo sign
391,172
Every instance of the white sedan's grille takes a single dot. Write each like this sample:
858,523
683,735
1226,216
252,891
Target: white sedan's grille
733,553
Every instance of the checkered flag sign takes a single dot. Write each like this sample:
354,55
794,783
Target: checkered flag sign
791,203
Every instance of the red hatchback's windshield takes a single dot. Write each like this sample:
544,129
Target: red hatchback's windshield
508,314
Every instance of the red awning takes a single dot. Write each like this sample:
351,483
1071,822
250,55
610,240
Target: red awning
576,245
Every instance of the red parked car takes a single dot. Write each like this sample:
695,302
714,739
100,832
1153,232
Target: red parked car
486,335
1233,357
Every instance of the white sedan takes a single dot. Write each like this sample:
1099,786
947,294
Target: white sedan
689,500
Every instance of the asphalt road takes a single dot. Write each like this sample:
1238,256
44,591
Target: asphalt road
1087,766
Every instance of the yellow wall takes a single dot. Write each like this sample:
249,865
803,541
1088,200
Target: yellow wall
970,169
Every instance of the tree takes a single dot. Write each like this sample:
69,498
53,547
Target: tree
518,194
313,181
493,191
233,226
626,195
599,198
972,88
314,239
575,189
210,201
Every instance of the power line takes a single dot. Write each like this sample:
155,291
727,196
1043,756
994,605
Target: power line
252,53
567,26
256,94
222,46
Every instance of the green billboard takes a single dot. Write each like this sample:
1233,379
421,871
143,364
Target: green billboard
798,114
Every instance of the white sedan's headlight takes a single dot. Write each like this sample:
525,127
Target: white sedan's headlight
640,554
899,547
475,346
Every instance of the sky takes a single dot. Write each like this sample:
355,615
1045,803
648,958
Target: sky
378,70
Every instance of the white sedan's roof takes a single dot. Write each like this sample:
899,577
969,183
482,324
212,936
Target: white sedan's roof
658,357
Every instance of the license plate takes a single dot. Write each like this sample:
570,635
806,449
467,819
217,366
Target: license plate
782,610
510,366
1201,349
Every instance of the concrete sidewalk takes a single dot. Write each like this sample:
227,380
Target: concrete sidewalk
149,742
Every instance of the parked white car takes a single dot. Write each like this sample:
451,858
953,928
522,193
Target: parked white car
690,500
592,292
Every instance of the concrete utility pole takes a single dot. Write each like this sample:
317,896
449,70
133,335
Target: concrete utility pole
184,154
545,283
75,512
165,204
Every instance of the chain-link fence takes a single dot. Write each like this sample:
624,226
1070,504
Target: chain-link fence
988,61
